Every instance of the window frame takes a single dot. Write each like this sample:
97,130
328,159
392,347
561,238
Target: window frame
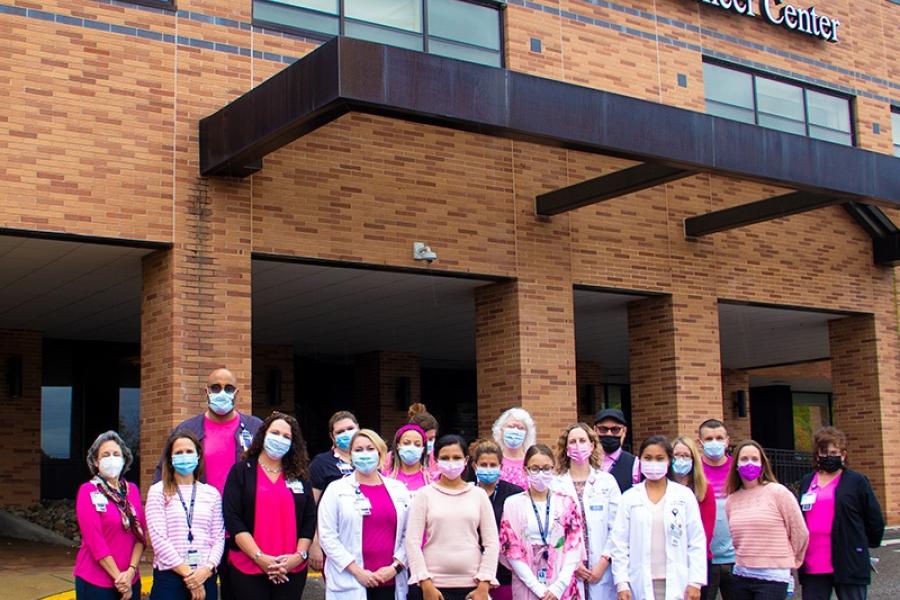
804,87
425,35
895,131
167,5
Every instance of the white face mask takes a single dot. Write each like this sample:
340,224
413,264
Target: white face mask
111,466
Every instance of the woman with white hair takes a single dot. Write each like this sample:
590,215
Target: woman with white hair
515,431
111,520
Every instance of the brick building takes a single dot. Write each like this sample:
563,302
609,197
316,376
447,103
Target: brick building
164,211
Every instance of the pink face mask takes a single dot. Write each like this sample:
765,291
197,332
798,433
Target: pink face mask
540,481
579,453
451,469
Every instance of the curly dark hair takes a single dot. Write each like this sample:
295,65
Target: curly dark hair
295,464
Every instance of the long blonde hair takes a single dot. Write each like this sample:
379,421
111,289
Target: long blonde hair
697,477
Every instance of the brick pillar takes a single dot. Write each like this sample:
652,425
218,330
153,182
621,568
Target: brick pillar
20,419
734,380
588,373
273,364
864,359
195,310
674,364
377,377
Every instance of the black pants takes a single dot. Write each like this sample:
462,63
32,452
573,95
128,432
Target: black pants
259,587
89,591
748,588
169,585
819,587
719,579
415,593
380,593
224,575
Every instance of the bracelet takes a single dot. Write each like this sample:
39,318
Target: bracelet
257,555
132,567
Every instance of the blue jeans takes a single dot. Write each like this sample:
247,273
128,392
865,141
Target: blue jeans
168,585
89,591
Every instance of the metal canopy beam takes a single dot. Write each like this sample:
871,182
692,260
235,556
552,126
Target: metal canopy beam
757,212
605,187
352,75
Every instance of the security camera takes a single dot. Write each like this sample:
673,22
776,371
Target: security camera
423,252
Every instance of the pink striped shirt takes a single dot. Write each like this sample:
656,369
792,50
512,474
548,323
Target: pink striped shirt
168,529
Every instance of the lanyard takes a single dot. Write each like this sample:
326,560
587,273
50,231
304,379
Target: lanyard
544,529
188,513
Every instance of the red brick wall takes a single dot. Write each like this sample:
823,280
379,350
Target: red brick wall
20,420
376,375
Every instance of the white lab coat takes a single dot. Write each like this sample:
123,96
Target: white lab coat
601,503
340,535
685,552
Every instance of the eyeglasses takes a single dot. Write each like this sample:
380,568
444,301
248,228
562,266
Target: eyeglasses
539,470
216,388
615,429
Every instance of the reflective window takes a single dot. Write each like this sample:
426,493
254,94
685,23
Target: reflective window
461,29
895,128
742,96
130,417
56,421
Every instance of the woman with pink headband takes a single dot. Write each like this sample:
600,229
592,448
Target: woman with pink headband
407,461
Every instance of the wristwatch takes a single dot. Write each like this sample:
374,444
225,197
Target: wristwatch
398,567
304,555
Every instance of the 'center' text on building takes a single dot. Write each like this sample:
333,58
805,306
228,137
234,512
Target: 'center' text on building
777,12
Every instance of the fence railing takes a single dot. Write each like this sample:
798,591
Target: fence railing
789,465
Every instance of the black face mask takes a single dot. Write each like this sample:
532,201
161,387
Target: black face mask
610,443
830,464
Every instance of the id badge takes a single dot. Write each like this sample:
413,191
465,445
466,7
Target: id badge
807,501
542,575
363,505
99,501
193,559
596,507
295,486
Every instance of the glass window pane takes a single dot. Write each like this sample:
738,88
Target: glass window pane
130,417
777,98
402,14
895,128
469,53
325,6
56,421
413,41
464,22
295,17
830,135
727,86
782,124
727,111
828,111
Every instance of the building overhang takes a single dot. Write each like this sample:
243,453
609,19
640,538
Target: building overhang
347,75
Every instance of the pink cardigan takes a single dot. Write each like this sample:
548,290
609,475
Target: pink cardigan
767,527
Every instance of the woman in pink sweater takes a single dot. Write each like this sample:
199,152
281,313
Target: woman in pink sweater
769,533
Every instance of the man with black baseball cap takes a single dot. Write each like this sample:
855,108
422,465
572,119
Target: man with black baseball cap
610,425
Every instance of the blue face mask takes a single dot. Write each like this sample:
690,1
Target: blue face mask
276,446
343,439
410,455
487,475
185,464
682,466
221,402
365,461
513,438
714,449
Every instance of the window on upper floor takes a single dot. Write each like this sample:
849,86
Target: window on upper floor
895,129
790,107
463,29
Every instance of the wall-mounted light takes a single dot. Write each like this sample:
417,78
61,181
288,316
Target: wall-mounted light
740,403
423,252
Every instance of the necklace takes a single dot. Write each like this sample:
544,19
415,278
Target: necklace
269,470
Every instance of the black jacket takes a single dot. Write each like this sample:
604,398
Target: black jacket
623,471
858,526
239,503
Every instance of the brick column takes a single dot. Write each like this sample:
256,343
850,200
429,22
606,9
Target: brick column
674,364
195,312
734,380
377,376
866,406
269,358
20,419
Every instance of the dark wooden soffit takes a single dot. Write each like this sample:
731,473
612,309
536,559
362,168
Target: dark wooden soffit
346,75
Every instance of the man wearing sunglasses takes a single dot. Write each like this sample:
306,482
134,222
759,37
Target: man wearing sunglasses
610,425
224,433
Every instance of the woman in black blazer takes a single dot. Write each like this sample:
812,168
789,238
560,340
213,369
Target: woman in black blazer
844,521
270,513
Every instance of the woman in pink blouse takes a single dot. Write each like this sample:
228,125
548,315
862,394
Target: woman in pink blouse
270,513
184,521
111,520
407,461
515,431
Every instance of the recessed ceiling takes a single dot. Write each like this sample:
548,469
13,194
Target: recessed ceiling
71,290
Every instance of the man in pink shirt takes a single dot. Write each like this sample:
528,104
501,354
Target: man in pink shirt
225,433
610,425
714,440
